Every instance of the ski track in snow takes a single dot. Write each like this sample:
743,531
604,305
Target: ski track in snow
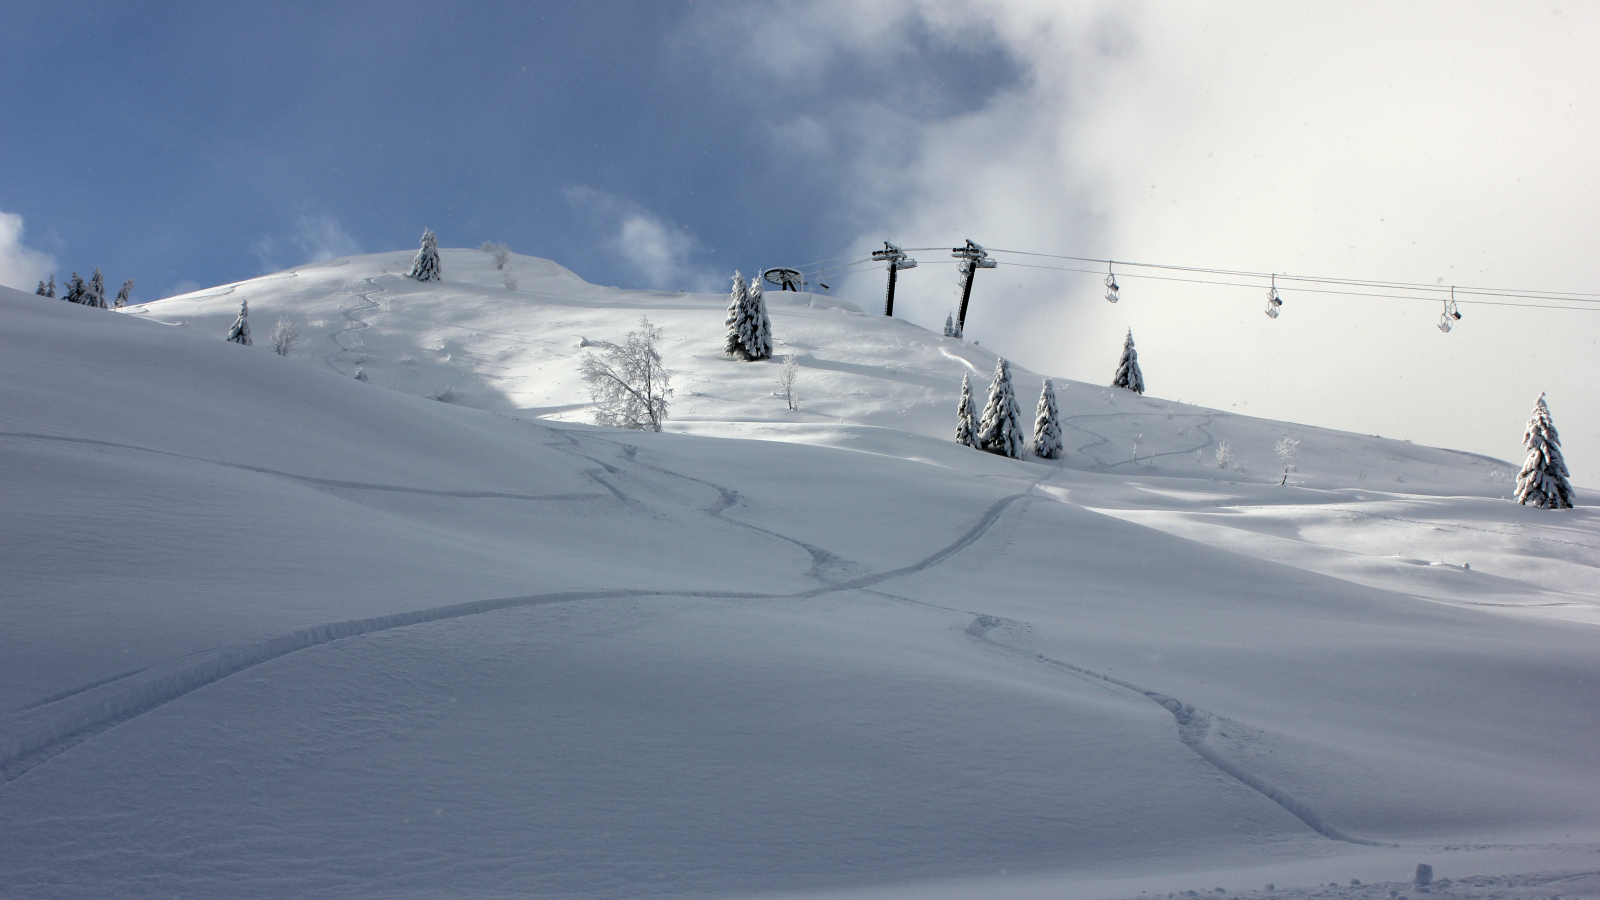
307,479
353,314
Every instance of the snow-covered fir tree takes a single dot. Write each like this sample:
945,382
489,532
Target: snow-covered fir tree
77,291
950,325
1128,374
737,323
1543,479
966,424
47,290
759,343
240,332
97,289
1047,425
125,294
426,266
1000,429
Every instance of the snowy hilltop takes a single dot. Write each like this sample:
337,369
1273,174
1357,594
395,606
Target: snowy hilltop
367,606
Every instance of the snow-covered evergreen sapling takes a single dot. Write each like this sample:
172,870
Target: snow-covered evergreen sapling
966,421
1128,374
1000,429
77,291
1543,479
426,266
628,383
50,291
125,293
950,325
735,325
1047,425
97,290
240,332
759,341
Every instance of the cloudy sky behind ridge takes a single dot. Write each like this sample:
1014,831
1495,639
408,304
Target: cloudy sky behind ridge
664,144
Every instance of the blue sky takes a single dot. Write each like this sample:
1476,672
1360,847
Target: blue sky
208,142
662,144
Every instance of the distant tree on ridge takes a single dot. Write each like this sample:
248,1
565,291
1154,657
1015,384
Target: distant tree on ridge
426,266
1128,374
240,332
1543,479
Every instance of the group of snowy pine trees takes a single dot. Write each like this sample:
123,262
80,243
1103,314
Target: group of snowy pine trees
89,293
999,428
749,331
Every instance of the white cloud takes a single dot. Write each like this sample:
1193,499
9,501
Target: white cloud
21,266
1419,142
658,251
316,238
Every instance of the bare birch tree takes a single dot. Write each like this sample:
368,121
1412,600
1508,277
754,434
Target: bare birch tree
628,383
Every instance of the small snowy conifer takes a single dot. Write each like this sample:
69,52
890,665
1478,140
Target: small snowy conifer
77,291
738,318
1000,429
966,427
1543,479
41,289
950,325
1128,374
97,289
240,332
759,343
426,266
1047,425
125,294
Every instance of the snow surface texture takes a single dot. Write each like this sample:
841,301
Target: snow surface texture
269,631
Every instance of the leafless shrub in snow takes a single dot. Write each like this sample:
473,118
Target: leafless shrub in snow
509,280
1224,455
500,252
284,336
787,373
628,383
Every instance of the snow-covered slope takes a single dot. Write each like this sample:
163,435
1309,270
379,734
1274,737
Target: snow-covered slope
867,381
269,631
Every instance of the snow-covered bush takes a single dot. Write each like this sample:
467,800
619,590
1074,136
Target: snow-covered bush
628,383
1000,429
284,336
240,332
1543,479
1287,448
500,252
1128,375
1047,425
426,266
1224,455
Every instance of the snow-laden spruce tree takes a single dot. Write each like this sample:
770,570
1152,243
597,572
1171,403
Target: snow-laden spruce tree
426,266
240,332
628,383
759,342
1000,429
125,293
966,422
47,290
1128,374
737,322
950,325
77,291
97,290
1543,479
1047,425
